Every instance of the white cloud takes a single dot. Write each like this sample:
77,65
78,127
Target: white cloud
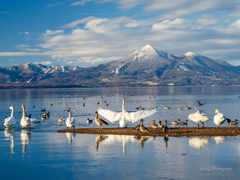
69,62
83,2
178,23
52,5
22,46
106,39
44,62
236,25
129,4
49,32
94,60
25,47
80,21
26,32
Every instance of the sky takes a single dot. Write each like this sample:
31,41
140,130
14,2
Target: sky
90,32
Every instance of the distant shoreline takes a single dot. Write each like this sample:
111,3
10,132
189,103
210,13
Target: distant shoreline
81,86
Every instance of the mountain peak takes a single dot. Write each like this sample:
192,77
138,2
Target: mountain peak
146,47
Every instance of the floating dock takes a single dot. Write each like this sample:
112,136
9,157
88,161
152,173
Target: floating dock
173,131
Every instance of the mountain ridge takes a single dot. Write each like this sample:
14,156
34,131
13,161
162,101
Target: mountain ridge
144,67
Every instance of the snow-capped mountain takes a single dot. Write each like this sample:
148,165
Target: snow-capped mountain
145,61
29,72
146,66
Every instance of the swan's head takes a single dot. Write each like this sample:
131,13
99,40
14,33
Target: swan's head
160,122
166,121
236,120
199,111
95,112
10,108
153,121
217,112
178,119
186,121
23,106
141,120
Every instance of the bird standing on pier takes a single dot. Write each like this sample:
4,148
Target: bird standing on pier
124,117
175,122
197,117
99,121
70,122
153,125
165,128
160,124
219,118
142,128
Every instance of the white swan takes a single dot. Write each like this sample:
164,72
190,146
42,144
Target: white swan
25,121
70,122
219,118
10,121
124,117
197,117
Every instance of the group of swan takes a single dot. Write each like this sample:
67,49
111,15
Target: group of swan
219,119
11,121
26,121
124,117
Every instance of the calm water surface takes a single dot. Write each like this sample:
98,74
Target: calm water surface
44,153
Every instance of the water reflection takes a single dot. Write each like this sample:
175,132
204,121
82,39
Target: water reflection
70,137
198,142
165,139
142,140
124,139
9,134
25,137
219,139
99,139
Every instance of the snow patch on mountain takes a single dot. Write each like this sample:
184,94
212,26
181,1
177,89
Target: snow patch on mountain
30,80
63,70
180,65
187,54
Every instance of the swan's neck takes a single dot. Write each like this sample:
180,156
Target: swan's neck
24,112
123,109
12,112
96,116
70,115
141,123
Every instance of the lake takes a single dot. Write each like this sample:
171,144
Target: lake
44,153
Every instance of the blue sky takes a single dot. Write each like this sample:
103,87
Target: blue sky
90,32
